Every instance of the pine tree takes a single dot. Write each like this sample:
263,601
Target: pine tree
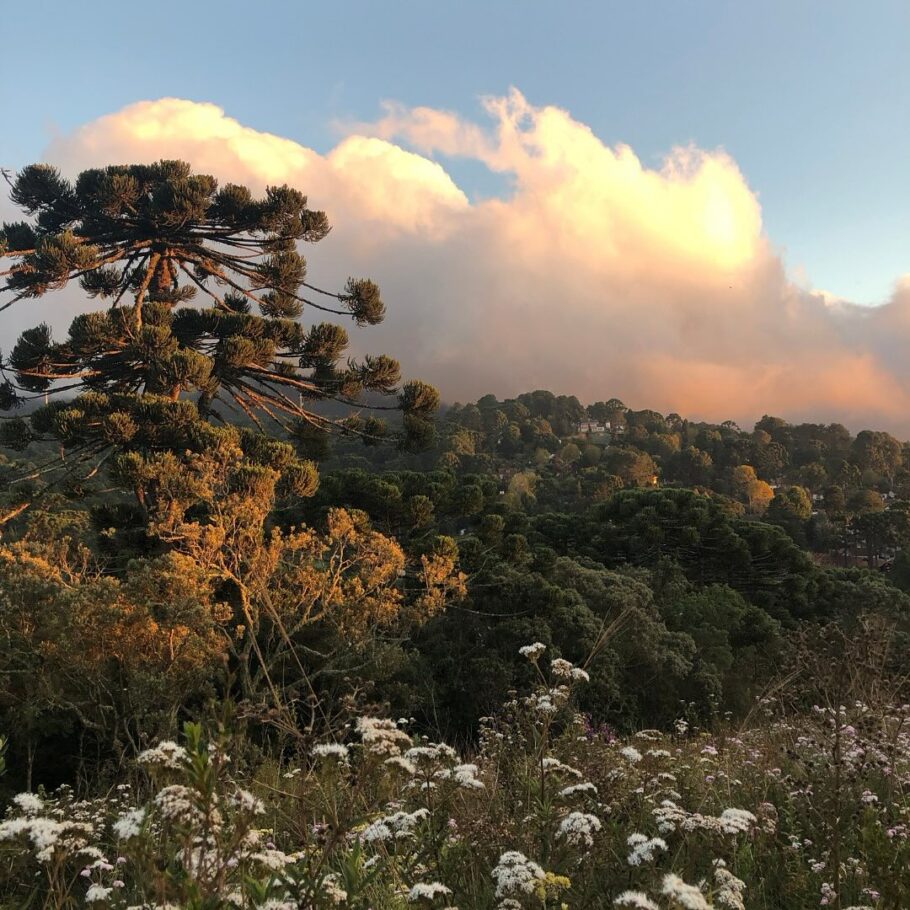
152,368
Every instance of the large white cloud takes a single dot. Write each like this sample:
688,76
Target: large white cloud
594,275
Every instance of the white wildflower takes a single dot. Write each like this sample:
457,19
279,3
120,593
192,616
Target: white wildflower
176,803
381,737
644,848
578,829
336,751
736,821
13,828
730,889
658,753
465,776
533,652
47,834
398,761
636,899
542,704
585,789
427,892
430,754
515,874
376,831
167,754
29,803
398,826
554,765
247,802
274,860
687,896
332,890
129,824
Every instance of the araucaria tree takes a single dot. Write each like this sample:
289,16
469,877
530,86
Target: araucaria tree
149,240
199,394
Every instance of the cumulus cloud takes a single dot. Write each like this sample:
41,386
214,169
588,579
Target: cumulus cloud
593,275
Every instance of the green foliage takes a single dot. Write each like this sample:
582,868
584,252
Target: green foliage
147,239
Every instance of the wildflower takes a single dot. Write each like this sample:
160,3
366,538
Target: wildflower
434,752
631,754
376,831
551,886
644,849
515,874
542,704
550,764
578,829
177,804
273,860
331,750
46,834
129,824
246,802
585,789
29,803
400,762
167,754
333,891
381,737
687,896
427,892
533,652
730,889
397,826
636,899
736,821
97,894
465,776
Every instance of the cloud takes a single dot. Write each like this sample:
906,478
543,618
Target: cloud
593,275
364,176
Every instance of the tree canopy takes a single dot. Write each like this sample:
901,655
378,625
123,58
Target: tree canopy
148,241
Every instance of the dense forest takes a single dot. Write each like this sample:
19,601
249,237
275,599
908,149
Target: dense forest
280,631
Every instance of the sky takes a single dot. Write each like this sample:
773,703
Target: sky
699,206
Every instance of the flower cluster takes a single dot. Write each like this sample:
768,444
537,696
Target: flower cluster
540,814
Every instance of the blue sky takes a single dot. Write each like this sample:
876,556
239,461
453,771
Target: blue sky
812,99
